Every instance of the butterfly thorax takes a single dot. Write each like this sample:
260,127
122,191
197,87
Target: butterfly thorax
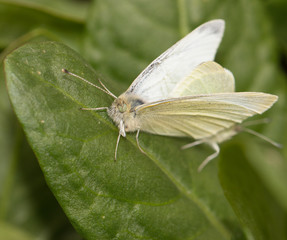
122,111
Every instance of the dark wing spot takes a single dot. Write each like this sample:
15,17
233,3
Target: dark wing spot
214,28
136,103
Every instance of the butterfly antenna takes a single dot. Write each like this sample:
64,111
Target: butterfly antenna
262,137
110,93
95,109
105,90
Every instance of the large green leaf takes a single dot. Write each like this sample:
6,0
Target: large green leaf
16,21
258,197
27,206
72,10
158,196
26,203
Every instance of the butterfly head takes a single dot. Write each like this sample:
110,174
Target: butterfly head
123,113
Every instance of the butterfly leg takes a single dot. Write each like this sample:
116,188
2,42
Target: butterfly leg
138,143
117,144
215,146
195,143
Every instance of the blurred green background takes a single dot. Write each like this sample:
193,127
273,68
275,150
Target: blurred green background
119,38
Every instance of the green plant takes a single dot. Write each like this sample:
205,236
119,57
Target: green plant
158,196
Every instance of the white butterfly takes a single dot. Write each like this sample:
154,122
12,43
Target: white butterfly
183,93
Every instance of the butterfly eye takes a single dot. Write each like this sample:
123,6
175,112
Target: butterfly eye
123,108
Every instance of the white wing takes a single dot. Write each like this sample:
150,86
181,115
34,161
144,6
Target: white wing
206,78
160,77
201,116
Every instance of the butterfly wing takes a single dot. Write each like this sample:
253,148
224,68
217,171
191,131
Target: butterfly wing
161,76
201,116
206,78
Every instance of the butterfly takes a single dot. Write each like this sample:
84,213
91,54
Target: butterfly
184,93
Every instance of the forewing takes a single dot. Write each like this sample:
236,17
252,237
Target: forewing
161,76
201,116
206,78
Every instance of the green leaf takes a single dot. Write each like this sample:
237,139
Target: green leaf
255,185
136,32
249,49
23,20
276,10
27,206
7,140
8,232
154,197
70,10
158,196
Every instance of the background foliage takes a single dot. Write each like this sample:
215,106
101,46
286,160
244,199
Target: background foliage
240,195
